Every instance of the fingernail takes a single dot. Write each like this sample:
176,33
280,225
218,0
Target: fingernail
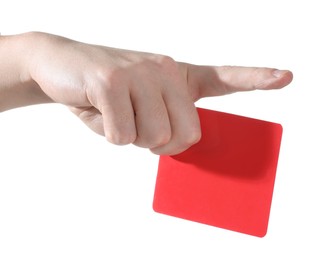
279,73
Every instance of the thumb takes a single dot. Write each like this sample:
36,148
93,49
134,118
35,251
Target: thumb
207,81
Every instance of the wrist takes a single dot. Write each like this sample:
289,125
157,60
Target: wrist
16,50
17,87
27,47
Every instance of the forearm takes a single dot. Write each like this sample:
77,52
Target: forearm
17,88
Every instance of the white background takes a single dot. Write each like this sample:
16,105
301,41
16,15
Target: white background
65,193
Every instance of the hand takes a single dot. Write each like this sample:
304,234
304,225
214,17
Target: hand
134,97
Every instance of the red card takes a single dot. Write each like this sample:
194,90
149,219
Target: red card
227,179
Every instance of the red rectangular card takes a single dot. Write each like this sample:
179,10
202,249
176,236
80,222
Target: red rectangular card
226,180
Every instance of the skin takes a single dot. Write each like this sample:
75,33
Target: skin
129,97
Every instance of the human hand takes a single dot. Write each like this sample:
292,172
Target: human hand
133,97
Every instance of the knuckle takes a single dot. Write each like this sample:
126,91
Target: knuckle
166,63
105,75
175,148
110,80
192,137
166,60
156,151
119,138
153,141
161,139
256,78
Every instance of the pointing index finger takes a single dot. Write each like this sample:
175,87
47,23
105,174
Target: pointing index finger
207,81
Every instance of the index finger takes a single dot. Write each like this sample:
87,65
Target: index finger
207,81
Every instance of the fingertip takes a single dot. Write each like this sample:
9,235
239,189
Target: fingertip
279,79
283,74
284,77
288,75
